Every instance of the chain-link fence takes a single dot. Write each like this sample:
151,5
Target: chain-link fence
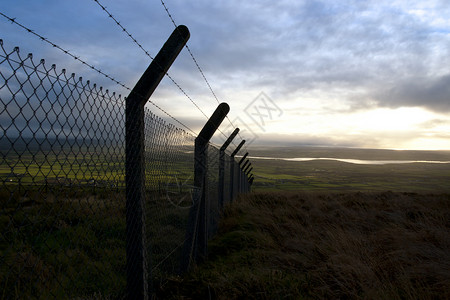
63,208
169,157
62,214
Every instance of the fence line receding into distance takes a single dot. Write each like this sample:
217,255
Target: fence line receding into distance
66,199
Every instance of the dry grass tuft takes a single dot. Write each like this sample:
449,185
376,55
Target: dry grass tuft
327,246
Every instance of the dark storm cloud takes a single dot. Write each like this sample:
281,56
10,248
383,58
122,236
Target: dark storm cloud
433,94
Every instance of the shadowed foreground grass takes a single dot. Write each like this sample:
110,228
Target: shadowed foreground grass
327,246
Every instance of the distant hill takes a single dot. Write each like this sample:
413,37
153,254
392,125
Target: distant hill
46,144
349,153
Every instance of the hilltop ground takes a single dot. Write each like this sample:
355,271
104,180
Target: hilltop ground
352,245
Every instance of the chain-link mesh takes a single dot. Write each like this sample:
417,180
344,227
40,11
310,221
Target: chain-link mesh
212,177
63,215
169,161
227,176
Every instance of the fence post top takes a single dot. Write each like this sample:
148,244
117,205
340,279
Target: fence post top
237,148
184,31
159,66
229,139
224,107
243,158
213,123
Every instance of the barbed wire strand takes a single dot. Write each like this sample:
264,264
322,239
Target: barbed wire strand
67,52
199,68
124,29
167,74
147,53
192,55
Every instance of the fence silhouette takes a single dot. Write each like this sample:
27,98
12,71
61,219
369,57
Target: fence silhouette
83,214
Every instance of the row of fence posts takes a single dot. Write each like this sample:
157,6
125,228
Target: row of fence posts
197,233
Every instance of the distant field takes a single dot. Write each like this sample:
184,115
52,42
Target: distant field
82,167
356,153
328,175
353,245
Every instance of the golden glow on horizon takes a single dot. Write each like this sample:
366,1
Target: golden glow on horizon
401,128
427,144
392,120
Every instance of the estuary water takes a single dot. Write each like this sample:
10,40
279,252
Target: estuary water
356,161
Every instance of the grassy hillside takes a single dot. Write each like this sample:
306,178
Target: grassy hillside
295,245
335,176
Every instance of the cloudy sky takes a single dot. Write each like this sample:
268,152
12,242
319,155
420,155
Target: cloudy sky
372,74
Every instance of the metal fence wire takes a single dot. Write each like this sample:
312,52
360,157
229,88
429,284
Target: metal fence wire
169,156
212,178
63,212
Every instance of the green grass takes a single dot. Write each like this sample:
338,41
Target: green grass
278,175
62,216
84,166
64,236
55,246
67,243
299,245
